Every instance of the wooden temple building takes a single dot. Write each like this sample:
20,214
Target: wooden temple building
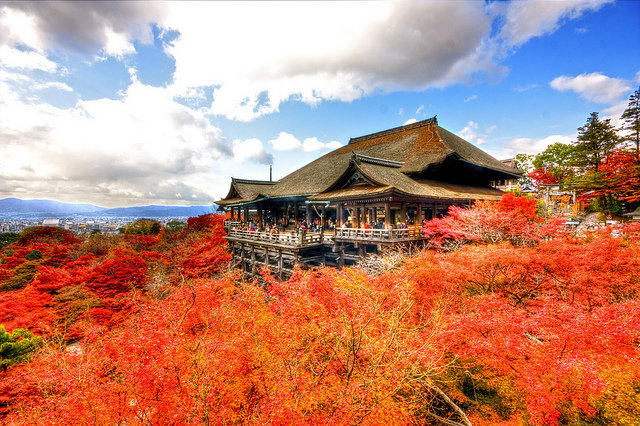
373,192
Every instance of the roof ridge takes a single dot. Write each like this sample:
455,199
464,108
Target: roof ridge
254,182
360,158
428,121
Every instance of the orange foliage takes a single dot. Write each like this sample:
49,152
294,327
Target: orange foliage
542,333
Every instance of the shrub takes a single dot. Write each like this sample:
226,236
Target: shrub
17,347
33,255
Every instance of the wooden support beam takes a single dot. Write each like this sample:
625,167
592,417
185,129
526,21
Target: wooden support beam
280,264
253,261
242,262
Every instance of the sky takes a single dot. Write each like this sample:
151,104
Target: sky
135,103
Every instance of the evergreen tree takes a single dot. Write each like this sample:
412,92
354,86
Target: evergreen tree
596,140
631,120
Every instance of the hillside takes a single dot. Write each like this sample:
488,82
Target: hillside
510,322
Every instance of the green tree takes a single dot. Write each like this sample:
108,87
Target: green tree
17,347
524,162
555,162
596,140
8,238
143,227
33,255
631,121
175,225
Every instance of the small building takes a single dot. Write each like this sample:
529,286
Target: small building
51,222
372,192
634,215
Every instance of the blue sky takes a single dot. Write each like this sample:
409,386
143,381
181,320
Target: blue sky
131,103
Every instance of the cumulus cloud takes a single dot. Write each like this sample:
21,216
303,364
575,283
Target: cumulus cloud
288,142
472,133
471,98
527,19
251,149
341,51
83,27
25,60
410,121
529,145
140,148
594,87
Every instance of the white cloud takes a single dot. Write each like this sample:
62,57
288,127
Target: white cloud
527,19
158,146
285,142
117,45
594,87
288,142
471,98
529,145
340,51
251,149
472,133
58,85
259,55
525,87
410,121
25,60
419,110
84,27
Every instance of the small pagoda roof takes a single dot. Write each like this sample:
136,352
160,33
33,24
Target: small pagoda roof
246,190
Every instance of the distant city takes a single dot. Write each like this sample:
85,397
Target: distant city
16,215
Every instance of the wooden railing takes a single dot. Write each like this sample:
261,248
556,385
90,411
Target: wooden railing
344,234
230,223
285,238
360,234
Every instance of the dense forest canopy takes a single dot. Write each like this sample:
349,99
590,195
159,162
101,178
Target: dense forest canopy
511,320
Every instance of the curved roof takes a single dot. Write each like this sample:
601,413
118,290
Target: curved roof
244,190
399,152
417,146
384,178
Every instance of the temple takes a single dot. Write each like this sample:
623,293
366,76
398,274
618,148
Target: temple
377,190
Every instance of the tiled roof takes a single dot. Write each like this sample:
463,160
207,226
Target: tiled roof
399,152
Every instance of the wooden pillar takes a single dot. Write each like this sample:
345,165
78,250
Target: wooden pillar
339,215
295,213
419,216
387,215
280,264
242,262
309,208
266,257
357,212
246,214
403,212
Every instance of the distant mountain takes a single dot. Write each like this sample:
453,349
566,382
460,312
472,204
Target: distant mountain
159,211
14,207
